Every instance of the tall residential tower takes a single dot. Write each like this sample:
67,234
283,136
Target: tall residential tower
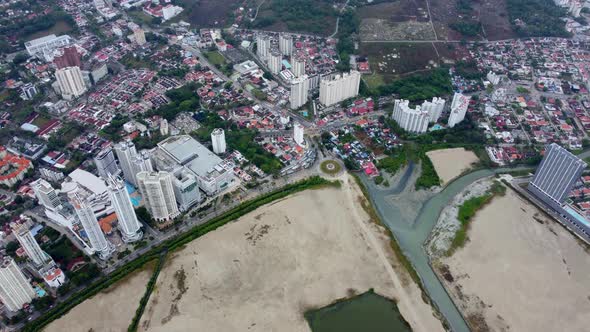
556,175
15,289
129,226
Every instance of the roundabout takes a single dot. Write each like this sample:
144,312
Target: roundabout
330,167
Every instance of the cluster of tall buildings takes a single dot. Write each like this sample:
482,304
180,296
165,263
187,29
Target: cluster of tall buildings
131,161
416,120
273,56
15,287
335,88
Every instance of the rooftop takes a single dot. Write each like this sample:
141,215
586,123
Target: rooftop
188,152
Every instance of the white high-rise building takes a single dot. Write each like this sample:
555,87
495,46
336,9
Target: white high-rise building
434,108
29,244
411,120
47,196
98,242
299,89
158,192
286,44
71,82
106,164
298,65
142,163
186,189
298,132
129,226
458,109
262,46
275,62
218,141
139,36
339,87
126,153
15,288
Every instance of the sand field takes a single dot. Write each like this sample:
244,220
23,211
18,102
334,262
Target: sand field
450,163
520,271
262,272
110,310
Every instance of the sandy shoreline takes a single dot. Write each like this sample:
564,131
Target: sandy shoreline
450,163
264,271
520,271
110,310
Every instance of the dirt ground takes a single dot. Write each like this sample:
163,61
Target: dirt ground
450,163
110,310
520,271
399,20
264,271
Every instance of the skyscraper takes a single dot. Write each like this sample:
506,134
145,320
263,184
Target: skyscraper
142,162
299,89
186,189
15,289
46,195
157,191
285,44
262,46
458,109
98,241
106,164
339,87
411,120
434,108
71,82
129,226
298,66
126,153
29,244
218,141
556,175
275,62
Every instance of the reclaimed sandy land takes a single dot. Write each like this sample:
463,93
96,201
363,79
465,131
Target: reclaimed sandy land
264,271
450,163
110,310
520,270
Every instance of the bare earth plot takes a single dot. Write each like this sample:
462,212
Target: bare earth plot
400,20
494,19
450,163
110,310
264,271
395,59
520,271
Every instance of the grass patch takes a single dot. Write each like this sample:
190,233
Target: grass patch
330,167
374,81
215,58
468,210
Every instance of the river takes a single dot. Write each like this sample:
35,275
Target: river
411,233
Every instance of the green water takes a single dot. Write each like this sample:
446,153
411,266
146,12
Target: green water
368,312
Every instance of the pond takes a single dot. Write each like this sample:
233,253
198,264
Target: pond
368,312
